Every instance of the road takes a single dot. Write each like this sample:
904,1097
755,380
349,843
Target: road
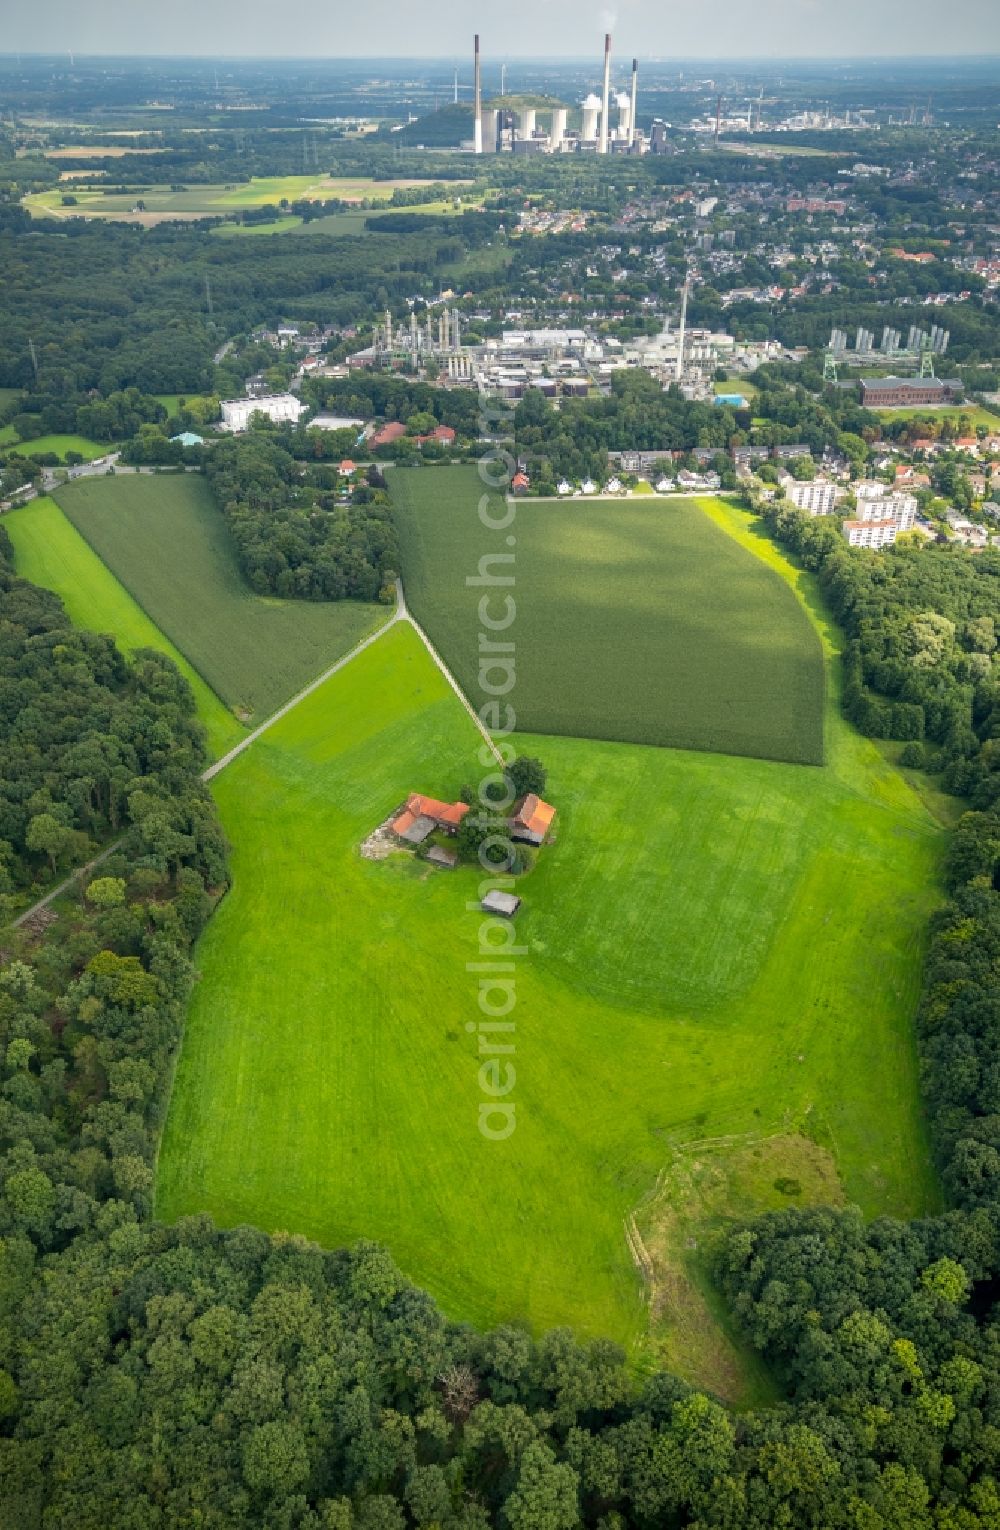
401,614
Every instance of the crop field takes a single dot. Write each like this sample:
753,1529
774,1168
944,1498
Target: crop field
328,1081
238,230
636,620
334,225
60,445
165,540
160,202
49,551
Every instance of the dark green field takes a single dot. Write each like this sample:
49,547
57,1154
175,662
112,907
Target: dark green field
639,621
167,543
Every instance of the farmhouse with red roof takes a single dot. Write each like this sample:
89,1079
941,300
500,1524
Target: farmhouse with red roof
422,815
532,820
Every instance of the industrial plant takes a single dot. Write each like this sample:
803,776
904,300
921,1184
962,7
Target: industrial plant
608,122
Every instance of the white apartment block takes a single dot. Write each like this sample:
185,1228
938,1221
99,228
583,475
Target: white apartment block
899,508
818,498
236,412
874,534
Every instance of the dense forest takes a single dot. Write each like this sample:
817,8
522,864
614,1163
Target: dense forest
90,746
920,663
298,539
109,307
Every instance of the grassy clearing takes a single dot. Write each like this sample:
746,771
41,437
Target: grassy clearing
209,201
742,385
50,552
353,221
699,1196
974,413
488,257
172,401
60,445
328,1085
279,226
164,538
636,621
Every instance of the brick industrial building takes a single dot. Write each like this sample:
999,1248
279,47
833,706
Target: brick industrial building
892,392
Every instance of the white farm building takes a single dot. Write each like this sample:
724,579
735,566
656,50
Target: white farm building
236,412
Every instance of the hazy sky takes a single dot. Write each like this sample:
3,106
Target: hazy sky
440,28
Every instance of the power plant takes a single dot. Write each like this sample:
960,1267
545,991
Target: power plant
496,129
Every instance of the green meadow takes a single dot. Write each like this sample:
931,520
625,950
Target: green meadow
717,951
164,539
60,445
213,200
974,414
49,551
635,620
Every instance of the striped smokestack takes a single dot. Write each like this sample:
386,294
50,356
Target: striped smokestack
635,98
602,146
478,139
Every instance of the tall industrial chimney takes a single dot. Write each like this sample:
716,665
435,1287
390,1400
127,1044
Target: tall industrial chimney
635,98
478,135
602,145
679,373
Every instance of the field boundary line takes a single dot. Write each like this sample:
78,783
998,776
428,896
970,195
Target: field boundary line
314,685
407,616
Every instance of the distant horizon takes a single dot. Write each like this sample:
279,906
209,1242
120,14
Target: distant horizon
82,55
797,30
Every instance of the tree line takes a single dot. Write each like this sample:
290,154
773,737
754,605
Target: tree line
920,662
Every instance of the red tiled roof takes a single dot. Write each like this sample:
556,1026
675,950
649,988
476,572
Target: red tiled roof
390,431
534,815
418,806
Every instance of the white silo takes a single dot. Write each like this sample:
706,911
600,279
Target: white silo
527,121
624,117
490,125
559,119
591,117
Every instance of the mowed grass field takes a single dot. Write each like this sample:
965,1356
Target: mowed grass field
60,445
49,551
974,413
640,622
715,948
165,540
